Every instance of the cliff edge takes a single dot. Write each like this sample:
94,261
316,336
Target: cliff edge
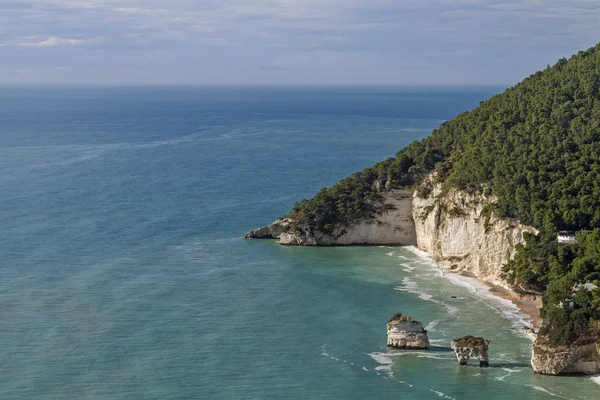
576,358
392,224
487,193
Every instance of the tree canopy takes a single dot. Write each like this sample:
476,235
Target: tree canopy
536,147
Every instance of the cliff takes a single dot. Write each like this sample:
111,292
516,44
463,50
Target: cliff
460,232
393,225
456,228
573,359
534,150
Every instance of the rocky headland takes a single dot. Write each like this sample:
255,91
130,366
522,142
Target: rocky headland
580,357
394,225
486,195
455,228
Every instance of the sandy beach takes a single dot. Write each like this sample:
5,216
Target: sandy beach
528,305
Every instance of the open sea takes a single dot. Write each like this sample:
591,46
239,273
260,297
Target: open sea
124,273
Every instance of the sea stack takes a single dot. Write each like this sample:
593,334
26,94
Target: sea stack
404,333
468,346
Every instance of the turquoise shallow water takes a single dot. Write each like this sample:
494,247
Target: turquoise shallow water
124,275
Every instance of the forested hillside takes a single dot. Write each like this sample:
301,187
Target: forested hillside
536,147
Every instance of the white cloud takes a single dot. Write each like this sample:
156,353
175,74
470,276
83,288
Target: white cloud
297,35
32,41
56,41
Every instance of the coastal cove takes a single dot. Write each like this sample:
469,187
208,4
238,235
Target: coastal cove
491,193
125,274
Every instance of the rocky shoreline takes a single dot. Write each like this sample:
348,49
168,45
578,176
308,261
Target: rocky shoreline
458,232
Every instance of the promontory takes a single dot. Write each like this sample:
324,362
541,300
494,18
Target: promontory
509,191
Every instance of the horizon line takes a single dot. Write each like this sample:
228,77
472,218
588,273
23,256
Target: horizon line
266,85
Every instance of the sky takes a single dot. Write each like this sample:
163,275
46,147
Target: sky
289,42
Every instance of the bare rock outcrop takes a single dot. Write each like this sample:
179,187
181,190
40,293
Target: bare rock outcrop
573,359
461,232
272,231
468,346
404,333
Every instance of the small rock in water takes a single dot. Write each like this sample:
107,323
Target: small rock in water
467,346
404,333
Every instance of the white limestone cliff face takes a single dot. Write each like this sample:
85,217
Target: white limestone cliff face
393,225
455,228
460,234
404,333
574,359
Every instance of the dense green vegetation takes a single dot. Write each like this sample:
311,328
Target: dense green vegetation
544,264
536,147
357,196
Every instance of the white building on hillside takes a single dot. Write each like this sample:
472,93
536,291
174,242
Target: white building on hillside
566,237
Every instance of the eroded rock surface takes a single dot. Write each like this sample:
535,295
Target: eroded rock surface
272,231
461,233
574,359
404,333
470,346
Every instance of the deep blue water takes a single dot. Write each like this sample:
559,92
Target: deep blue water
124,273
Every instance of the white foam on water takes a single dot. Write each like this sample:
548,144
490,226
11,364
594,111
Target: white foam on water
441,394
431,326
434,356
510,372
505,308
382,358
451,309
386,364
386,358
426,297
595,379
404,258
391,253
410,286
541,389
